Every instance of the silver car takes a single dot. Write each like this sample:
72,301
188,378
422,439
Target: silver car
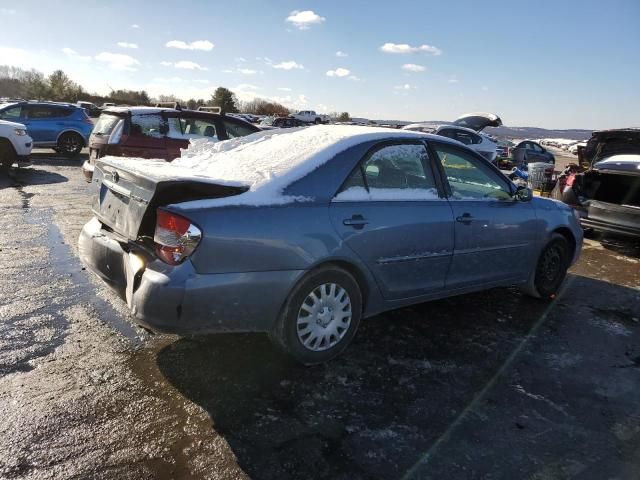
302,234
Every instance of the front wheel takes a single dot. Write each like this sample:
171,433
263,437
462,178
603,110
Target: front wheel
321,316
551,268
69,144
7,156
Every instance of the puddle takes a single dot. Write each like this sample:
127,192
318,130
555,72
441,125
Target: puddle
61,268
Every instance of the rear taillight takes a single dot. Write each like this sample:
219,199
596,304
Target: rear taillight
175,238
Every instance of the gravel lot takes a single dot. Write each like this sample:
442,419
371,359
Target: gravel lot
489,385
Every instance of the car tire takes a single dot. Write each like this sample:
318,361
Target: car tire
320,316
318,121
69,144
7,155
551,269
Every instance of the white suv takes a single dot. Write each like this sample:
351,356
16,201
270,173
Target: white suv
15,144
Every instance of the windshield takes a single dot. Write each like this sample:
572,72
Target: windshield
105,124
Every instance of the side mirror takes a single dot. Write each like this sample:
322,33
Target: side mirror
523,194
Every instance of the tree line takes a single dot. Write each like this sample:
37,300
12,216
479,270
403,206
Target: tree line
31,84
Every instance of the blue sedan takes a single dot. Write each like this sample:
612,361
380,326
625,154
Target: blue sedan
302,234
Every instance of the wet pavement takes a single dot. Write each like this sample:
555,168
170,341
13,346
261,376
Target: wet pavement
489,385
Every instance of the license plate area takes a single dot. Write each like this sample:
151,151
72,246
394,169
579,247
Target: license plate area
113,206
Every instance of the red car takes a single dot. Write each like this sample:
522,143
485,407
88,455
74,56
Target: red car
149,132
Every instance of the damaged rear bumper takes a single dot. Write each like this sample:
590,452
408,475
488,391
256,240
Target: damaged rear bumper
612,218
179,300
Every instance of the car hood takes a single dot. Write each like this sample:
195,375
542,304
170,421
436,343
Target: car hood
605,144
478,121
12,124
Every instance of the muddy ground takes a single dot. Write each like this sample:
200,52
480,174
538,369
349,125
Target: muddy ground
490,385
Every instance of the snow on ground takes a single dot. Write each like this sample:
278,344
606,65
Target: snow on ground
265,162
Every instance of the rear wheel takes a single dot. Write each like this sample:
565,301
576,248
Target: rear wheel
318,121
7,155
320,317
551,268
69,144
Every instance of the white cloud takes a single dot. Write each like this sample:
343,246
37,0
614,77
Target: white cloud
247,71
412,67
289,65
204,45
454,79
127,45
135,25
406,86
354,78
202,80
340,53
240,59
403,48
7,11
485,88
187,65
71,53
284,89
184,65
304,19
118,61
338,72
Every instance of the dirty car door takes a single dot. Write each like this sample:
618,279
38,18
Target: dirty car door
495,234
390,213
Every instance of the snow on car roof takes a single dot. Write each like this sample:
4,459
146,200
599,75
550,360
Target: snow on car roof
264,162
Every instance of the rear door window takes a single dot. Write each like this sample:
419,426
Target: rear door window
392,173
148,126
191,127
43,112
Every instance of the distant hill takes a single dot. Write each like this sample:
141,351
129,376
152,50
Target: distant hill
535,132
511,132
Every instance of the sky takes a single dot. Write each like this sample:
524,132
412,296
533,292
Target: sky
551,64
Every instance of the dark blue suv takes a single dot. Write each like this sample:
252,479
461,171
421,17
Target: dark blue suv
61,126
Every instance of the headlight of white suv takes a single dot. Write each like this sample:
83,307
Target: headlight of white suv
20,132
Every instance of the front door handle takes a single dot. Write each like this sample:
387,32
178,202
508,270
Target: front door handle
356,221
466,219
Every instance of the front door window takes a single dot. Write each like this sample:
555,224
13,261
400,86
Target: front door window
469,178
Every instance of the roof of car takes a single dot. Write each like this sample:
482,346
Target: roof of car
266,162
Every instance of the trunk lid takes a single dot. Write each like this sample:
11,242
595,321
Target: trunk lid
127,199
478,121
608,143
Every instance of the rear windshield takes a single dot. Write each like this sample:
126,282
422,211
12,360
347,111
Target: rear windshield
105,124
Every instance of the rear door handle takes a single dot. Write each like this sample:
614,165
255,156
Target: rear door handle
356,221
466,219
